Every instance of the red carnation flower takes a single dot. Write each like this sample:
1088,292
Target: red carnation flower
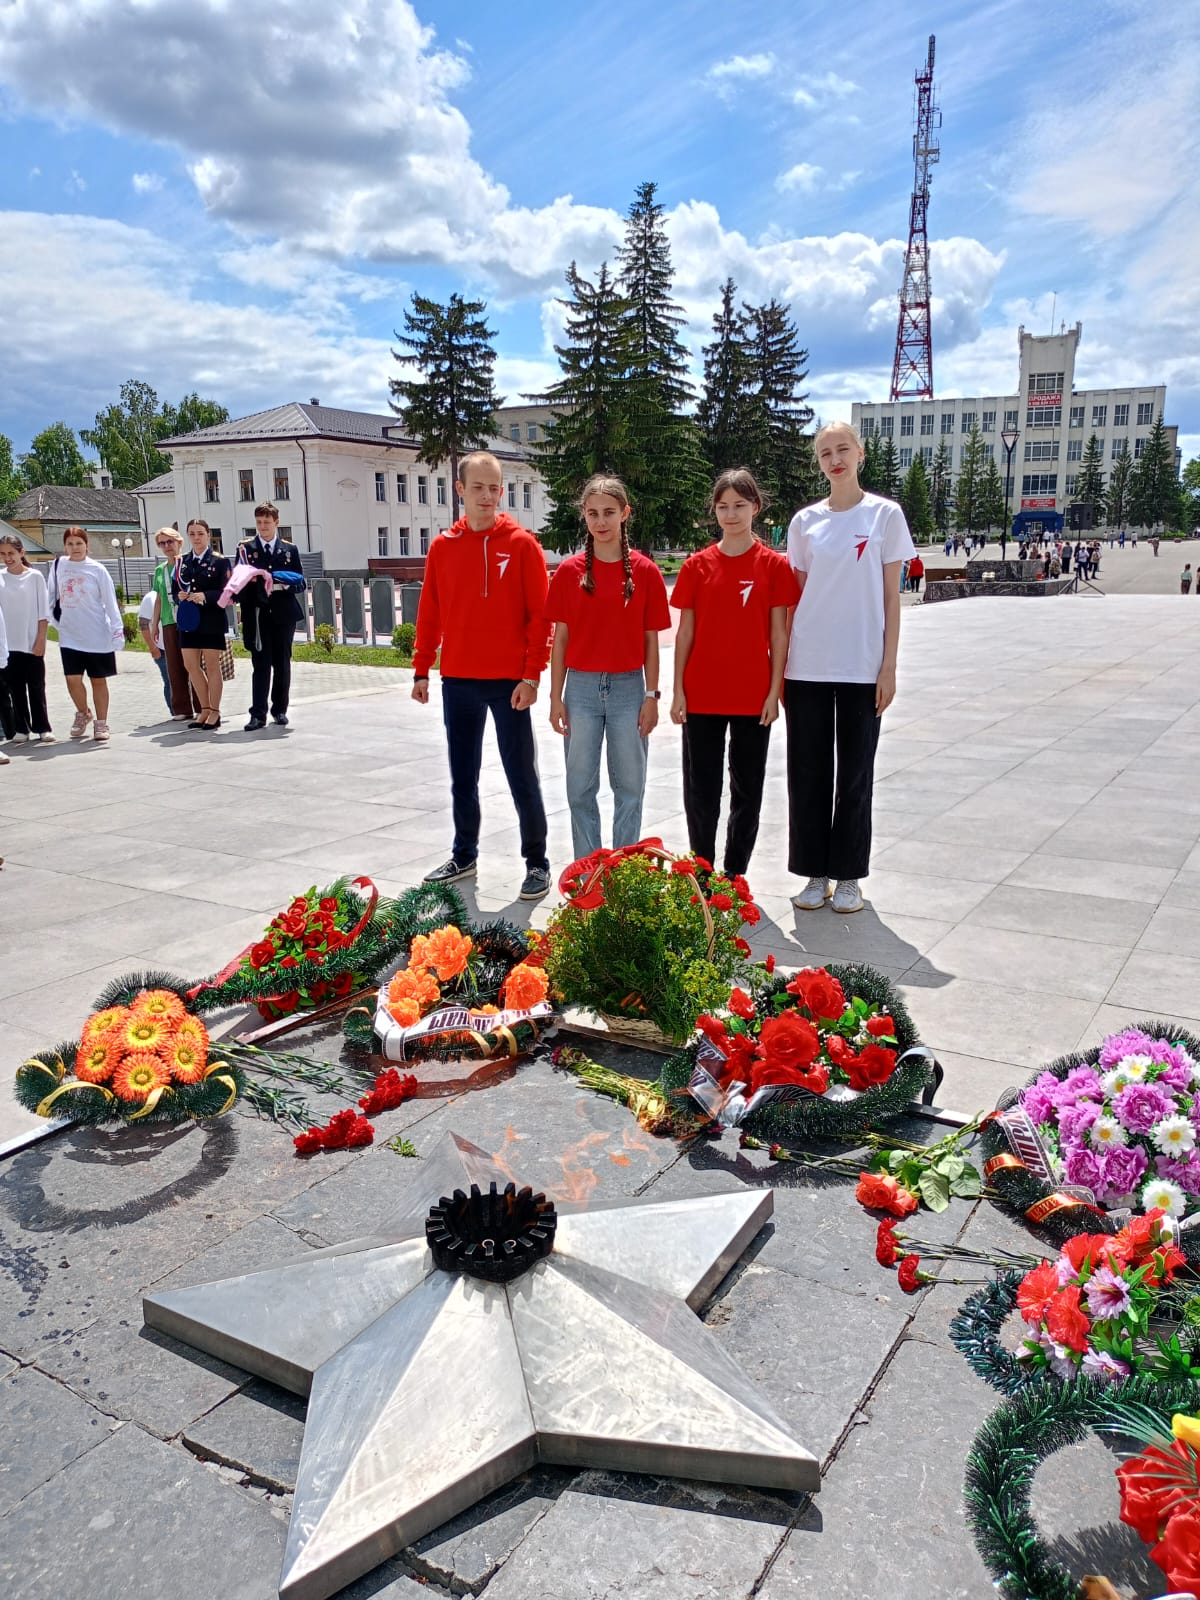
701,865
741,1004
712,1028
1037,1290
741,888
751,915
886,1248
769,963
741,947
308,1142
1065,1322
682,869
909,1274
721,902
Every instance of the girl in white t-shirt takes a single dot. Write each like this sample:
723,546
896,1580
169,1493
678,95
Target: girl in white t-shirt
26,614
90,630
847,551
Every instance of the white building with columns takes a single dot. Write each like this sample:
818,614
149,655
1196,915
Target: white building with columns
1052,418
349,484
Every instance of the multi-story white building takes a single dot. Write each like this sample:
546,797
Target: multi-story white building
349,484
1052,420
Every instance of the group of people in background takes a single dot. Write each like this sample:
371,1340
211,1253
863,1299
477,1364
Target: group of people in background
815,631
182,620
1058,555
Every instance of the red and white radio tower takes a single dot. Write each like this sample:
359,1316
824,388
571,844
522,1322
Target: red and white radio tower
912,369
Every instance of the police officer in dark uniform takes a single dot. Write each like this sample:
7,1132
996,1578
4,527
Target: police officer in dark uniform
269,621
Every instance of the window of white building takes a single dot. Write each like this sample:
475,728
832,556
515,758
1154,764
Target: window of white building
1039,483
1043,417
868,427
424,541
1138,446
989,422
382,540
906,425
381,486
1077,416
401,489
1069,483
968,421
1010,419
886,425
422,491
512,497
1099,416
531,432
906,455
1145,413
402,541
927,420
1074,449
245,483
441,491
1120,416
1045,382
947,422
1041,449
212,489
281,484
527,496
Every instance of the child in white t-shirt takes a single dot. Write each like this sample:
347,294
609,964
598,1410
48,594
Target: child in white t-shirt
847,551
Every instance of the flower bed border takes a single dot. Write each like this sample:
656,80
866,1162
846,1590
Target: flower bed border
1015,1190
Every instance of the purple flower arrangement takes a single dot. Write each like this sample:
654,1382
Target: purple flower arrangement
1127,1128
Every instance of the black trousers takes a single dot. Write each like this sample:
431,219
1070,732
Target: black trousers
23,697
466,703
270,643
703,777
829,806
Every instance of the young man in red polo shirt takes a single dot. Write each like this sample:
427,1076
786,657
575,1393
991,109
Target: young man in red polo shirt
483,603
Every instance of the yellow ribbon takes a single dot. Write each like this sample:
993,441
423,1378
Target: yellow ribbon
481,1043
43,1109
510,1039
220,1071
152,1100
56,1071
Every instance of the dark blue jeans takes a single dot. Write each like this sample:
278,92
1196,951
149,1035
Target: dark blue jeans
465,706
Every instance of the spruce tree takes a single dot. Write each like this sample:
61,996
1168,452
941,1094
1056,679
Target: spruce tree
1153,486
868,471
589,432
914,500
969,494
665,469
1089,485
727,410
888,469
779,366
991,501
448,410
941,487
1116,500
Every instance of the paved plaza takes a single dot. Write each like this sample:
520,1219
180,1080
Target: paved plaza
1036,880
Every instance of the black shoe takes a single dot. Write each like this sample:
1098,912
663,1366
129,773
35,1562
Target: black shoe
197,723
451,871
254,724
536,885
281,720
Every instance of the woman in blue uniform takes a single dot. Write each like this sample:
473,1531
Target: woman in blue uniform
196,588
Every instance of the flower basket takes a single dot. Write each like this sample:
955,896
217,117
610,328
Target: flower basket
1047,1153
636,1031
648,937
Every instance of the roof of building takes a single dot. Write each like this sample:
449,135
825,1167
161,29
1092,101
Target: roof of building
26,540
57,503
163,484
297,420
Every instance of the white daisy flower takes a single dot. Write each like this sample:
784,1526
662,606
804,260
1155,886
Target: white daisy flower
1114,1080
1160,1194
1107,1131
1135,1068
1174,1136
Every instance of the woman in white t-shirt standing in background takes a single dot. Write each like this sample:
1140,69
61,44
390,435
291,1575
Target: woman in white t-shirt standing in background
847,551
26,613
90,630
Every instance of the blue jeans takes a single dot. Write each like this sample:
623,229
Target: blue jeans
602,708
465,706
161,664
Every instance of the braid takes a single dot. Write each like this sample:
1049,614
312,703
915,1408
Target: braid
626,562
587,583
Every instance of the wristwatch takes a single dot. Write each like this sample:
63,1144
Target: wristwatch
653,694
532,682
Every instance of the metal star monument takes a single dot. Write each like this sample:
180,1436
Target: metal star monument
481,1333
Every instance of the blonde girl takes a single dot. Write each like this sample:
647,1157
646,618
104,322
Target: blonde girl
26,613
847,551
608,605
733,599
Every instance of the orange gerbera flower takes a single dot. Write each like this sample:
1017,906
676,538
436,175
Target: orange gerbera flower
191,1030
94,1061
448,952
405,1012
186,1060
160,1003
419,986
525,986
102,1022
144,1032
139,1075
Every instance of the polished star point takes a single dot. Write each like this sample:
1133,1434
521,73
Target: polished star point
429,1389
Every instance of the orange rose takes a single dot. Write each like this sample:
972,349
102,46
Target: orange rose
524,987
405,1012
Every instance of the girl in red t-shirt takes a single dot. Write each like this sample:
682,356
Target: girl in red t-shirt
730,652
608,605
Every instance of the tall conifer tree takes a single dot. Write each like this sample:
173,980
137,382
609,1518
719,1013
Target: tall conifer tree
914,500
727,410
1154,495
1116,499
1089,485
941,487
779,367
888,469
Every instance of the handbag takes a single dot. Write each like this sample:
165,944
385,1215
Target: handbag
187,612
227,668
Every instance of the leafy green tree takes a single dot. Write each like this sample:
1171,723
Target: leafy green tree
10,479
1089,485
914,500
968,501
664,468
448,409
191,414
1153,486
727,413
1189,480
888,469
54,457
588,433
779,366
991,500
126,434
941,487
1116,500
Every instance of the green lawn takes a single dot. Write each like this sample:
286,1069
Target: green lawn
342,655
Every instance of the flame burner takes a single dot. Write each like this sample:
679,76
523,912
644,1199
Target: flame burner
495,1236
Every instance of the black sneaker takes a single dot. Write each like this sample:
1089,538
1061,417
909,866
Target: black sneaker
536,885
253,725
451,871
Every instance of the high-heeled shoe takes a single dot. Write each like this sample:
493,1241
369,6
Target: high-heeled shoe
211,727
197,723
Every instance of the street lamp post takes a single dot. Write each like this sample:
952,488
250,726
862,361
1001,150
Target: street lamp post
1009,437
121,556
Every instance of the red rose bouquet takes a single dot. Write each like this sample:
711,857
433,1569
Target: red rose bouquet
1160,1501
296,944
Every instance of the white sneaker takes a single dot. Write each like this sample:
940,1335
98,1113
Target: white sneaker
5,761
847,896
20,738
47,738
813,895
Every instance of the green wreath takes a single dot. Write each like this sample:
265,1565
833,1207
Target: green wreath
1020,1434
1015,1189
816,1117
975,1334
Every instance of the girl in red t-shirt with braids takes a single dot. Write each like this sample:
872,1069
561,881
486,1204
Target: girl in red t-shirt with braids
730,652
608,605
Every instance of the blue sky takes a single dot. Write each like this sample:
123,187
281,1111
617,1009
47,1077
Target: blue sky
239,198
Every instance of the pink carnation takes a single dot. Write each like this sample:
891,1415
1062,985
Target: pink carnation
1081,1083
1141,1105
1086,1167
1133,1042
1124,1168
1038,1100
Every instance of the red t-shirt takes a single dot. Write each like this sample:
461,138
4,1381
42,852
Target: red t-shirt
729,670
606,632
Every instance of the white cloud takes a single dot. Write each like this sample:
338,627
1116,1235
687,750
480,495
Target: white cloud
802,176
742,67
34,172
75,184
820,91
147,182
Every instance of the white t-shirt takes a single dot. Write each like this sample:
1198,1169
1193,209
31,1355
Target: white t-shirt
146,615
23,605
91,617
837,631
